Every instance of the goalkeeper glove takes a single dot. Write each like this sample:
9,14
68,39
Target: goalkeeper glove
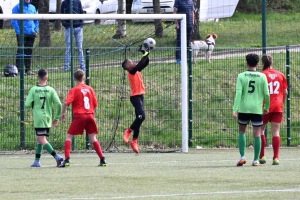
144,48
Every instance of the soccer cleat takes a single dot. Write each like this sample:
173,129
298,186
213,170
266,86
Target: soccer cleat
263,160
134,146
102,162
275,161
127,134
65,163
255,163
36,163
59,160
241,162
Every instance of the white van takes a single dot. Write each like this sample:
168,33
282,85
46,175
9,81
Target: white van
6,7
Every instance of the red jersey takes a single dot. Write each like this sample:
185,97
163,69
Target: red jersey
136,84
277,86
83,99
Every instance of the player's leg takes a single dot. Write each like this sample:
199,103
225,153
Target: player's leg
243,120
275,129
262,157
92,131
67,150
43,133
138,103
257,122
38,153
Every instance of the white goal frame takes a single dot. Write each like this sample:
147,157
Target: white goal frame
184,69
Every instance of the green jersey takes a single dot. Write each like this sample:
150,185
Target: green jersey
41,99
251,93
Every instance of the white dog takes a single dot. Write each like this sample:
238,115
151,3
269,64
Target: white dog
206,46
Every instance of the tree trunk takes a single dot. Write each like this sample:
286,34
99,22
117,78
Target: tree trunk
45,36
196,33
159,30
58,26
121,30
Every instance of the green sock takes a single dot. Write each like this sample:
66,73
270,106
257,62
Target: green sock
38,151
257,147
242,144
50,149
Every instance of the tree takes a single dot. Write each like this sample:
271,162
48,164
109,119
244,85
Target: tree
196,33
45,36
121,29
58,26
159,31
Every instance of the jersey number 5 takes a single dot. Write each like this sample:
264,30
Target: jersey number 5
251,87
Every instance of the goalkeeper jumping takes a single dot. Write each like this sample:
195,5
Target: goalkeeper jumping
136,97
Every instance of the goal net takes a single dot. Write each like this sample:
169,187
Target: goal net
107,41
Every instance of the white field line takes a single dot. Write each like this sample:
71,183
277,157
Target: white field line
229,192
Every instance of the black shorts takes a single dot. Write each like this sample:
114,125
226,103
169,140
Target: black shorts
245,118
42,131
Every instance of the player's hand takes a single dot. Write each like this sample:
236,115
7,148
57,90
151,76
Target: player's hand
63,117
147,47
142,49
265,112
235,115
55,122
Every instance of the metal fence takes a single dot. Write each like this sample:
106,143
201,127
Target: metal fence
212,87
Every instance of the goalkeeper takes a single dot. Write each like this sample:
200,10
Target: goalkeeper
136,97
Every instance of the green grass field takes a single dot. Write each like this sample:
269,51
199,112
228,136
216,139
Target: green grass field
199,174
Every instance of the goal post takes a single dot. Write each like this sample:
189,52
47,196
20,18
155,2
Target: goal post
184,68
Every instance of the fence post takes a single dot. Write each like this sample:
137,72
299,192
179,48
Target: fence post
87,75
22,81
190,94
288,102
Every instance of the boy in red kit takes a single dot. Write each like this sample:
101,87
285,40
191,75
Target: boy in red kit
84,103
278,93
136,97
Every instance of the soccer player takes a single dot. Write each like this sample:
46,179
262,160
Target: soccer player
136,97
41,98
84,103
251,93
278,93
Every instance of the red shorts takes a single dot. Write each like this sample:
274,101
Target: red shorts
83,122
273,117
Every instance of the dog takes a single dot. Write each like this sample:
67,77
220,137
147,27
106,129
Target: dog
206,46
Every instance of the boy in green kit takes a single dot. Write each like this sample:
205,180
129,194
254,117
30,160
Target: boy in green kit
41,98
252,100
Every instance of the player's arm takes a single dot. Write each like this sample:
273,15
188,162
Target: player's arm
238,96
266,96
66,103
58,106
29,99
142,64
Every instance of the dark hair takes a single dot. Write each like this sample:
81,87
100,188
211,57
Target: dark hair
79,74
267,60
42,73
252,59
124,64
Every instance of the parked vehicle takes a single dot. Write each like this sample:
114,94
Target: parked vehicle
92,7
6,7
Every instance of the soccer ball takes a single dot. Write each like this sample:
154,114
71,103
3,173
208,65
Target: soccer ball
150,42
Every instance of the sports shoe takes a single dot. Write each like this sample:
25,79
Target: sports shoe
255,163
36,163
66,163
275,161
127,134
241,162
29,72
102,162
66,68
59,160
134,146
178,61
263,160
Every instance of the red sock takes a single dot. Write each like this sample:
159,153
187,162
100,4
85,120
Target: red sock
263,145
276,146
68,145
98,149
